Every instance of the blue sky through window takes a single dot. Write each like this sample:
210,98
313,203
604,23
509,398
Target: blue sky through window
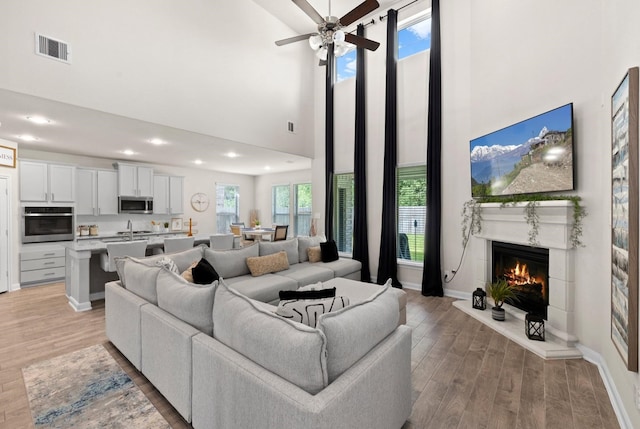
411,40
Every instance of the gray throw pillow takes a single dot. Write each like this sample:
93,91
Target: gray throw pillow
231,263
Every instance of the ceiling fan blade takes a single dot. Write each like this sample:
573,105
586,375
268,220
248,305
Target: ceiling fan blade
367,6
361,42
309,10
294,39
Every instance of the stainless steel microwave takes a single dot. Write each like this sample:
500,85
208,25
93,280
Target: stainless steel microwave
45,223
140,205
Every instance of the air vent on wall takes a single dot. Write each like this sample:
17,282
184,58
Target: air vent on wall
52,48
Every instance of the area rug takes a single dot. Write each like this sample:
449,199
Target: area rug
87,389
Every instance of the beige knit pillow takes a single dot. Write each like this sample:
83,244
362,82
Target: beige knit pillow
259,265
315,255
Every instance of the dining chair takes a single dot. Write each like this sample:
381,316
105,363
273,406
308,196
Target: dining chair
177,244
280,232
221,241
135,249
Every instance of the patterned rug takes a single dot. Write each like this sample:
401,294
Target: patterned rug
87,389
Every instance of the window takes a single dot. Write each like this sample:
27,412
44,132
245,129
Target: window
280,204
412,212
346,65
414,35
343,211
302,209
227,206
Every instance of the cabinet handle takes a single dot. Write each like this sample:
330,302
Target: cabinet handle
46,196
49,254
49,263
49,274
98,211
53,198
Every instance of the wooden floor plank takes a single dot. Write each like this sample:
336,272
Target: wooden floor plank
464,374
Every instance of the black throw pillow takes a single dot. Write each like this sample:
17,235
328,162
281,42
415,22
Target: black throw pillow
204,273
307,294
329,251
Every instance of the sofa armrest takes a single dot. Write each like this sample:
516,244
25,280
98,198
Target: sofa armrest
230,390
122,321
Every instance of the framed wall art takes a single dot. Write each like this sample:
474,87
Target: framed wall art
624,219
7,157
176,224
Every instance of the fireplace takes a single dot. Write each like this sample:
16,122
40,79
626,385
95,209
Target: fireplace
526,269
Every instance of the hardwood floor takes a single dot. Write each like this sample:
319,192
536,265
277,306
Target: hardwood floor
465,375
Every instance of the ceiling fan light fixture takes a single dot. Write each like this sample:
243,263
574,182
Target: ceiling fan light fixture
315,41
341,49
322,54
338,36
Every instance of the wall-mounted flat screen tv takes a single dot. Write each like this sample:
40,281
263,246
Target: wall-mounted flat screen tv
532,156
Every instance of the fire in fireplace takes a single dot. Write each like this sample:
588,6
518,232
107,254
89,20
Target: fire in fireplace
526,269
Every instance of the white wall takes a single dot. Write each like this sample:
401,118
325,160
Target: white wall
208,67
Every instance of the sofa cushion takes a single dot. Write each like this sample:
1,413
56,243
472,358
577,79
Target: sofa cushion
259,265
329,251
289,246
307,311
188,302
141,278
264,288
203,273
306,273
356,329
291,350
231,263
315,254
343,266
305,242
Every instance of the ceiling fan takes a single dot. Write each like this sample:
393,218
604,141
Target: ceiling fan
330,30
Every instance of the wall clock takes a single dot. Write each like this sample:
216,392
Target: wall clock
200,202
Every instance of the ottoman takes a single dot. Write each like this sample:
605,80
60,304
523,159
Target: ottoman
359,291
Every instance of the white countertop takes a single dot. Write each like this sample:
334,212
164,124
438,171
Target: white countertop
99,242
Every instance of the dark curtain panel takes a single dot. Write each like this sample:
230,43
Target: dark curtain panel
387,264
360,236
431,276
328,138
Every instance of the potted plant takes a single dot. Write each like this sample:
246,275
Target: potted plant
500,291
166,227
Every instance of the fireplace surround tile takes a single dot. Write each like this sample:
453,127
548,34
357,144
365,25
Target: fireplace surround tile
562,268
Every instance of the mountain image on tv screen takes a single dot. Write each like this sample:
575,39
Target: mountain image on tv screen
532,156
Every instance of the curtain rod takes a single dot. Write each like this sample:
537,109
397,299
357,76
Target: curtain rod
382,17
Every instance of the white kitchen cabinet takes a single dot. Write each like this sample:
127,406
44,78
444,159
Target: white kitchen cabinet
168,194
44,182
42,266
135,180
97,192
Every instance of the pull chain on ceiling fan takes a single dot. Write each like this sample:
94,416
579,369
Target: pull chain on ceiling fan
330,30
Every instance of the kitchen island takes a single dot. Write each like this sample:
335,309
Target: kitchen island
85,279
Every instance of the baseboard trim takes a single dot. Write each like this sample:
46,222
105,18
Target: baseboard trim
96,296
616,401
77,306
14,287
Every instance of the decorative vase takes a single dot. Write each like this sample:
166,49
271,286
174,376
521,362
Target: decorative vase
497,313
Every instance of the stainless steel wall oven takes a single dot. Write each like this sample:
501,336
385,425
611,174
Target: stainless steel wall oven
44,223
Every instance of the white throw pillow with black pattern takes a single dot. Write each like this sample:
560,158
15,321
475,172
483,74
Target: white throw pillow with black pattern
308,311
169,264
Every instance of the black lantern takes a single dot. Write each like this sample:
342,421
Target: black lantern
534,326
479,299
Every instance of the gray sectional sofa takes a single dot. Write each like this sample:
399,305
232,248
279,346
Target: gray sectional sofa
223,358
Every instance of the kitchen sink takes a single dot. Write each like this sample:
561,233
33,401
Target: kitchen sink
135,232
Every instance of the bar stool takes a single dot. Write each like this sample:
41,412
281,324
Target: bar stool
134,249
221,241
177,244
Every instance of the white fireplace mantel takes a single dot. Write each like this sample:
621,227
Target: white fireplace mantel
508,224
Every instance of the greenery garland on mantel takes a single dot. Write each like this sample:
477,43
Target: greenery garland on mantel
472,215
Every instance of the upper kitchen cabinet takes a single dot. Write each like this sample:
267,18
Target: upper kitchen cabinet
45,182
97,192
168,194
134,180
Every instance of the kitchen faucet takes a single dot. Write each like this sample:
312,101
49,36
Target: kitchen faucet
130,228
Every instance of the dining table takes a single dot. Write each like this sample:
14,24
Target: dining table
258,233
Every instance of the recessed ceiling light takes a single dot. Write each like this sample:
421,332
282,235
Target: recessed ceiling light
198,162
27,138
38,120
128,152
232,155
266,167
156,141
